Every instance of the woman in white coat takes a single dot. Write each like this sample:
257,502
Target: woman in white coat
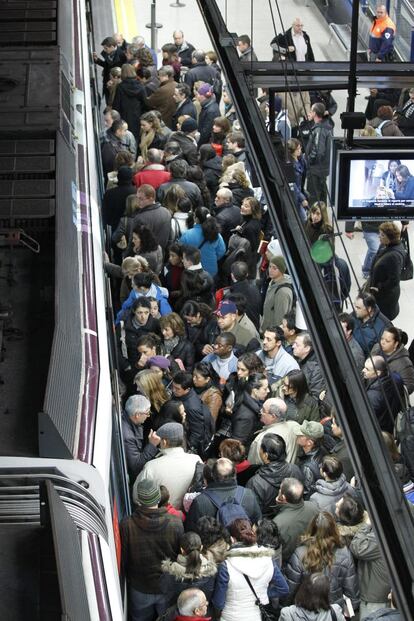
233,596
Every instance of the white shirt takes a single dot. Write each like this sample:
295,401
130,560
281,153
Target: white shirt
300,46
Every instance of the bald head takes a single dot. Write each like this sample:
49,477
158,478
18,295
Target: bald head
276,407
223,470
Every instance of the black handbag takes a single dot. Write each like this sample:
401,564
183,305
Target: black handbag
267,613
407,271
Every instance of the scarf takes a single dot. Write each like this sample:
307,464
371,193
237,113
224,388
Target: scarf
170,344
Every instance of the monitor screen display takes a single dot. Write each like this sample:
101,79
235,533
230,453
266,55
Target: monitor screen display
375,184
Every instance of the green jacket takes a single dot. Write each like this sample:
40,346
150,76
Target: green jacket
278,302
292,521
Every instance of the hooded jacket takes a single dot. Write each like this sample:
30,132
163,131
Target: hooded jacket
211,251
188,146
266,483
176,578
232,594
327,493
159,293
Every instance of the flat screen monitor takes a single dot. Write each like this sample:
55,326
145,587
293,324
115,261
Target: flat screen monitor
375,184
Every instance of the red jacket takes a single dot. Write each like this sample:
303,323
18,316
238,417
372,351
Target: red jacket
183,618
152,176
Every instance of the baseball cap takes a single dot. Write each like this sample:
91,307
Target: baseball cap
226,307
309,428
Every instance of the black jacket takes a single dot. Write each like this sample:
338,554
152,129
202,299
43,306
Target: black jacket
318,149
203,506
188,146
281,43
266,483
136,453
311,369
129,101
201,72
386,396
117,59
239,192
212,173
309,464
385,276
245,420
130,334
184,350
195,422
228,216
249,289
196,285
187,108
204,334
113,203
209,111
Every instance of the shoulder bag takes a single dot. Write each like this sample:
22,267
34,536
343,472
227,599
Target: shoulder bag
266,613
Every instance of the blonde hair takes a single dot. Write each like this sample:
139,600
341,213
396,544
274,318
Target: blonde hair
149,382
128,71
130,263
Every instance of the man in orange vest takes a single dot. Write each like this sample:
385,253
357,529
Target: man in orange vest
381,37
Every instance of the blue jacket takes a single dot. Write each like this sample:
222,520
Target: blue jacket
154,291
211,252
369,333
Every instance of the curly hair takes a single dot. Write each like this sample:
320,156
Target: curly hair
147,239
173,321
321,541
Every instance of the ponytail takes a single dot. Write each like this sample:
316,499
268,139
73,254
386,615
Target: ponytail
191,545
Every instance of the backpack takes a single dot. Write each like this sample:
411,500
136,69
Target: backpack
378,130
230,509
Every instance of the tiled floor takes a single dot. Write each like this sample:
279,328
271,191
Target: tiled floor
238,19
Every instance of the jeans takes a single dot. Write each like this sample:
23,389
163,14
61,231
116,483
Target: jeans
372,241
146,606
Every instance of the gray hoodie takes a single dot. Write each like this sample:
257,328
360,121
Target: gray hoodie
327,493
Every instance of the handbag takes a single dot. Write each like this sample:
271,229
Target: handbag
267,613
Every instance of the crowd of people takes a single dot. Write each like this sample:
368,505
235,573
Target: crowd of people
245,501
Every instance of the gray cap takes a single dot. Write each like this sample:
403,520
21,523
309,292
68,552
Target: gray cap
171,431
309,428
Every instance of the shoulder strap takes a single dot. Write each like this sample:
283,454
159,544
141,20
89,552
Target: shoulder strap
333,613
202,244
214,499
239,495
252,589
